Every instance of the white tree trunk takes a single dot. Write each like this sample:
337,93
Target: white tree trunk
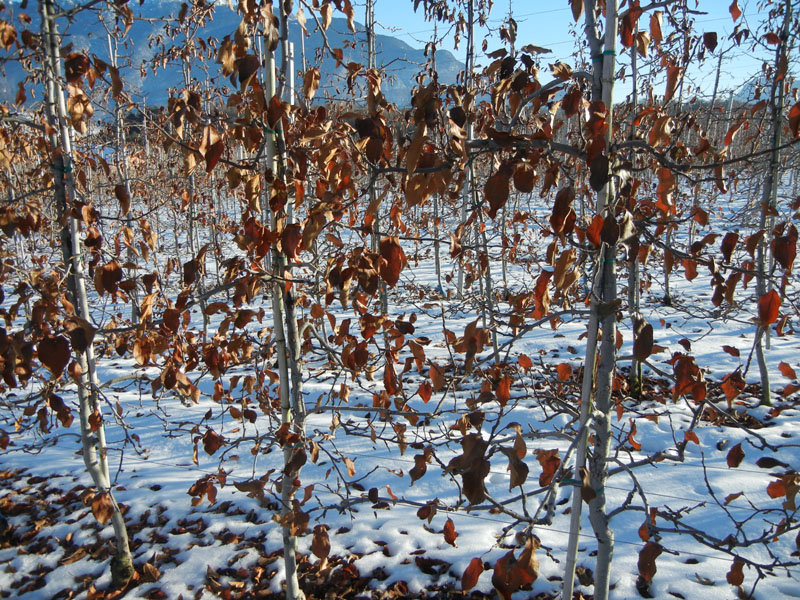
93,442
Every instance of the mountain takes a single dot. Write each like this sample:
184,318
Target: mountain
757,88
85,32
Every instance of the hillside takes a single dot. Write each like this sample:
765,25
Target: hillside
402,62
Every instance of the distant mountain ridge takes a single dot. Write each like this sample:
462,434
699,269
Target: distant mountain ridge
758,88
403,62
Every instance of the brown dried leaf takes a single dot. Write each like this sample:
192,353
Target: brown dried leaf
473,571
419,468
710,40
212,441
768,307
503,391
735,456
736,575
326,12
311,81
794,119
450,533
54,353
550,462
102,508
496,191
577,9
735,11
76,65
787,370
321,544
647,560
674,76
643,341
393,260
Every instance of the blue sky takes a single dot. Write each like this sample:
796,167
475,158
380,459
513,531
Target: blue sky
548,23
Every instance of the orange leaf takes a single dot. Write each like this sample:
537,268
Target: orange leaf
471,574
504,390
76,65
525,361
311,80
674,75
213,154
776,489
95,420
291,237
787,371
123,198
728,245
550,463
732,132
655,27
393,260
593,231
425,391
794,119
790,389
732,351
524,177
450,533
562,220
768,307
691,436
710,40
518,469
636,445
735,10
415,149
437,377
644,534
212,441
564,371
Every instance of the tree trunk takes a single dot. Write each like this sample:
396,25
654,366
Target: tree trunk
634,276
764,260
287,345
604,318
469,67
93,442
437,259
121,163
369,29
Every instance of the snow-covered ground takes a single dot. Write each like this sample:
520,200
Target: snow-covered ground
360,485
